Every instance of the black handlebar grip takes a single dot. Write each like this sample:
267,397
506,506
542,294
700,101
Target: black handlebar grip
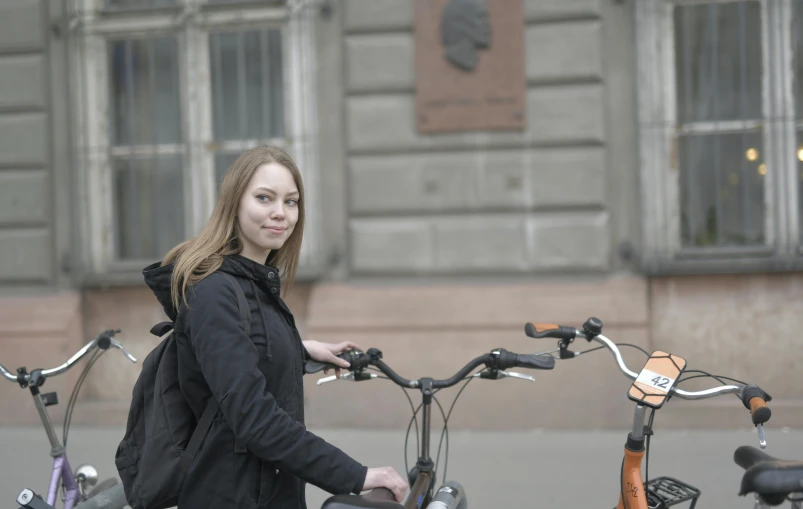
755,399
352,356
504,359
535,361
313,366
549,330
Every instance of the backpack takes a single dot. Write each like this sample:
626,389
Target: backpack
162,436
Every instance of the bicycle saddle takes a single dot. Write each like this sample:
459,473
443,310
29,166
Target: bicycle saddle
773,479
377,499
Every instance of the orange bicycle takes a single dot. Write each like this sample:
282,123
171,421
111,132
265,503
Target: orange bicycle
773,481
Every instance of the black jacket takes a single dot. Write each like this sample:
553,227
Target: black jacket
257,382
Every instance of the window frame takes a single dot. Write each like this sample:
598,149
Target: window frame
191,22
659,170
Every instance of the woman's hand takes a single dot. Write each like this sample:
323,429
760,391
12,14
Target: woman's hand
386,477
327,352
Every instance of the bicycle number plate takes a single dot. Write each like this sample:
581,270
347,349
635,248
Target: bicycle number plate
657,379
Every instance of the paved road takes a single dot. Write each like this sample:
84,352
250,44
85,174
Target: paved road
511,469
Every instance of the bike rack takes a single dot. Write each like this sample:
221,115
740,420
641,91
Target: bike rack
663,492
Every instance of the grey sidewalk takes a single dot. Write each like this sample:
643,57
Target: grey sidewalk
510,469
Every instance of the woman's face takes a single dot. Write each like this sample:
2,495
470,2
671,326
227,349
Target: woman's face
268,211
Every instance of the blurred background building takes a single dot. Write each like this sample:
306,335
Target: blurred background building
656,184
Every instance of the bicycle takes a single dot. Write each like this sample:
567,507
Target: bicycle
773,481
81,485
422,477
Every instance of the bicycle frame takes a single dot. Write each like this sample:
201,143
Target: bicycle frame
632,494
61,473
632,483
632,491
421,492
424,472
422,476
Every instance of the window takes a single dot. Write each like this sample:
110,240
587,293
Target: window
170,92
720,154
797,76
145,146
246,91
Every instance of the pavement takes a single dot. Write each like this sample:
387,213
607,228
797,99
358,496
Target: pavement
521,469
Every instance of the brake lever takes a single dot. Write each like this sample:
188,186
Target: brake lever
503,374
547,352
119,345
350,376
334,378
762,439
513,374
520,376
564,353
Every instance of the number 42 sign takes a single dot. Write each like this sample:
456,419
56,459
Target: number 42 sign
656,380
654,383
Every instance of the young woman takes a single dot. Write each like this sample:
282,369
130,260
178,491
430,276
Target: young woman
257,454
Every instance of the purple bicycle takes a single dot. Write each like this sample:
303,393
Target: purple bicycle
80,489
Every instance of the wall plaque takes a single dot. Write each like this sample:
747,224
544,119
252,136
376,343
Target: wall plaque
469,65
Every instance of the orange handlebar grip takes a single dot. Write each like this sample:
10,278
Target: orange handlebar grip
759,410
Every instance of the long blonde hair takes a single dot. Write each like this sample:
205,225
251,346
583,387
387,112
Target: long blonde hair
197,258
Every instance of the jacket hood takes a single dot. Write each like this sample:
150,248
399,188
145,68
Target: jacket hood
158,278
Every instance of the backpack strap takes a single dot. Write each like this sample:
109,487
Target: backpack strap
162,328
203,426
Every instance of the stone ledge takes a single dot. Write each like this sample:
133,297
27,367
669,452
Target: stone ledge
727,411
619,300
39,313
40,331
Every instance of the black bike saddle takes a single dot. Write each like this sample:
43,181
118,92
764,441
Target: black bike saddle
379,498
773,479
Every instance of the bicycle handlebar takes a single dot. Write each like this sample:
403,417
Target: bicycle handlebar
498,359
104,340
753,397
570,333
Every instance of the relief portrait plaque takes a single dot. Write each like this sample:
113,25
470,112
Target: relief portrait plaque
469,65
